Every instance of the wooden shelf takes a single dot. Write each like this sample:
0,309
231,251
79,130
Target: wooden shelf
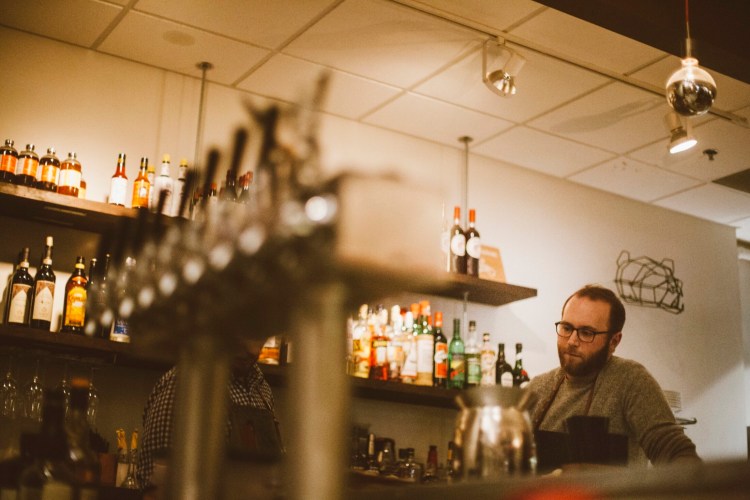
486,292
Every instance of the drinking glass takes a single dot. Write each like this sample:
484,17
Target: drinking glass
34,397
9,394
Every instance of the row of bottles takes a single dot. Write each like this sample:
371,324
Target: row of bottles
30,301
47,173
462,246
411,347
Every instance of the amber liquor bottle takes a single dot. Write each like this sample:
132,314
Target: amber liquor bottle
141,186
18,302
8,161
119,185
457,244
49,170
70,176
28,162
74,305
440,367
44,290
473,246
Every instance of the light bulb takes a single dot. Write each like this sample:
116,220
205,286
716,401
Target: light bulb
691,90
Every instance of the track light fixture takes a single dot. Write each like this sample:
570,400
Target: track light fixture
690,90
500,67
680,136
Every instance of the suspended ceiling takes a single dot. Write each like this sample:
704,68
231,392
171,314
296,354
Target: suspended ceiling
589,109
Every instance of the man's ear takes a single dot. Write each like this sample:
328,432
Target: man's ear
614,342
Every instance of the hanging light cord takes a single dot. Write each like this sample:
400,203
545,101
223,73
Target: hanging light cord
688,43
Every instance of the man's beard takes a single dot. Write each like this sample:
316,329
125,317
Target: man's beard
579,367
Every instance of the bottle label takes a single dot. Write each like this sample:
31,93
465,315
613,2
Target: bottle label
410,364
43,299
70,178
49,173
441,360
27,166
457,367
380,351
75,307
506,379
117,190
473,370
474,247
425,348
8,163
458,244
488,368
19,300
120,331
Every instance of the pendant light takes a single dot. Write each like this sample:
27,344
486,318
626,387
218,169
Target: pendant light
680,136
690,90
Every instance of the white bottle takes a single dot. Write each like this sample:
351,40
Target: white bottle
179,188
164,183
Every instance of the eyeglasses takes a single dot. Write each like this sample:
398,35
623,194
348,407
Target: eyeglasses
565,330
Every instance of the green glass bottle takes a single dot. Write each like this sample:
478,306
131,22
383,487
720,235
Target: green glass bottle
456,358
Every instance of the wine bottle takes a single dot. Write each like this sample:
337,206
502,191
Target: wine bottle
49,170
44,290
164,183
440,370
141,186
473,361
457,244
520,377
473,246
118,188
503,370
74,305
456,358
70,176
8,161
26,167
18,302
487,361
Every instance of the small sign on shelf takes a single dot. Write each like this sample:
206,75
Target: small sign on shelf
491,264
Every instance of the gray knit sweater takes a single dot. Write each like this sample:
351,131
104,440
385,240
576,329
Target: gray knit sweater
625,392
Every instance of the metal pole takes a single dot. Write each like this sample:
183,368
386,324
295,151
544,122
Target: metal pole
204,67
465,181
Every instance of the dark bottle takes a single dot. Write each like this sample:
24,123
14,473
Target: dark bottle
440,366
503,370
85,462
93,312
473,246
457,244
229,189
520,377
8,161
44,291
20,291
456,358
74,305
28,162
49,171
50,473
245,182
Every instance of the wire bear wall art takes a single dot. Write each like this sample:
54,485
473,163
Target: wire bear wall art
646,282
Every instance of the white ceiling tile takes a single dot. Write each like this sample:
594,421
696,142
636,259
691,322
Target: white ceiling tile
384,41
710,201
730,140
633,179
496,15
462,84
731,94
616,118
165,44
435,120
289,79
542,152
265,23
743,229
79,22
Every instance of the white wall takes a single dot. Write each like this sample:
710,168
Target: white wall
554,236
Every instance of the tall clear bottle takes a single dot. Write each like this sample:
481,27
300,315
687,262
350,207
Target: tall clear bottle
164,183
487,359
503,370
520,377
440,359
457,244
44,290
456,358
74,305
48,171
118,187
18,301
473,360
141,186
26,167
8,161
473,246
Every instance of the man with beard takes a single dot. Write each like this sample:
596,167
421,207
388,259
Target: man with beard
592,381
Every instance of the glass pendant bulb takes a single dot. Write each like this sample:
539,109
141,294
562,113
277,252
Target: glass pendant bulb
691,90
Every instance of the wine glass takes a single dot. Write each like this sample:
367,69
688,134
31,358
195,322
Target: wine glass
34,397
65,388
9,393
93,406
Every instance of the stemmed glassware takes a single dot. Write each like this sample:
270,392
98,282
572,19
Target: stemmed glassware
9,394
33,397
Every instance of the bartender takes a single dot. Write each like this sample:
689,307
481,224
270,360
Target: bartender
252,424
592,381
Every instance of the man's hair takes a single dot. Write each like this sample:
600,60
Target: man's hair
601,294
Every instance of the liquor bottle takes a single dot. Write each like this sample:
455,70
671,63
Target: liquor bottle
70,176
487,360
503,370
425,346
520,377
141,186
431,467
245,194
130,481
179,188
396,340
456,358
28,163
409,370
96,299
18,302
361,344
84,461
440,359
48,171
118,188
151,176
82,191
473,361
74,305
164,183
122,457
457,244
270,353
473,246
120,331
379,367
44,290
229,189
50,475
8,161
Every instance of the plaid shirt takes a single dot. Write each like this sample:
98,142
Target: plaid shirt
158,416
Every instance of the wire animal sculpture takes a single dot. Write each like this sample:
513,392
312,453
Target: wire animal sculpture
646,282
